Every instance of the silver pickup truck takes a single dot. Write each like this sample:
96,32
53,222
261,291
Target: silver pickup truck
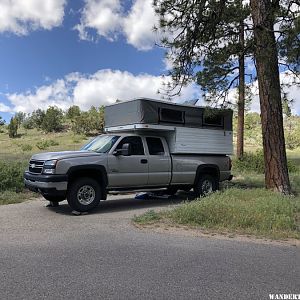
122,162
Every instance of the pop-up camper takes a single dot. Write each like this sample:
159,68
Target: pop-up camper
188,129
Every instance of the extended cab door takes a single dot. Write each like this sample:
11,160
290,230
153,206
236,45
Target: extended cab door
159,161
128,171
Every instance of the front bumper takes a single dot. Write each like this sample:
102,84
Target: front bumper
46,184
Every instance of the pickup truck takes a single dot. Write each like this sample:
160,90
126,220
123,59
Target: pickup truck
122,162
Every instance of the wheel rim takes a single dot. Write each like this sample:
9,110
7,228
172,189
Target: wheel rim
86,195
207,187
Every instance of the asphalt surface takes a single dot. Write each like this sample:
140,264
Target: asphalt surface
50,254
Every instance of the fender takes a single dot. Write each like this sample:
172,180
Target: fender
207,169
89,168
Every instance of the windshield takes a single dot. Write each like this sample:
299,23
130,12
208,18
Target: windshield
101,144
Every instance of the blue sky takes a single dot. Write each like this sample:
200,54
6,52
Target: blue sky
88,52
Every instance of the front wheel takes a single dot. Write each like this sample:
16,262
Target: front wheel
206,185
84,194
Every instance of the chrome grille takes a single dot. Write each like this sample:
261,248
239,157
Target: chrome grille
36,166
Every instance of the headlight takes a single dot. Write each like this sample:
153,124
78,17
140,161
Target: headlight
49,166
50,163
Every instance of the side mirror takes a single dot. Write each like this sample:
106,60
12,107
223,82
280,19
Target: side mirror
125,151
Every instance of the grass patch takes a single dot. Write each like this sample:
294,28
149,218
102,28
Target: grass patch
253,180
254,211
26,147
147,218
45,144
11,175
11,197
254,162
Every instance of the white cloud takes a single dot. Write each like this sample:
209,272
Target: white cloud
138,25
102,15
103,87
22,16
4,108
109,20
44,96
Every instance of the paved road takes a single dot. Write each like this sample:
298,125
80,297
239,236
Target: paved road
50,254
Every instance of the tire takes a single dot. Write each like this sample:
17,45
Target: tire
84,194
205,185
171,190
54,198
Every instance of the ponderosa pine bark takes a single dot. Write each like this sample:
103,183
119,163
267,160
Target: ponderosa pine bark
266,57
241,100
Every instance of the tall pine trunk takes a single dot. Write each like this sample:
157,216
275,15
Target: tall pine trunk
241,100
266,56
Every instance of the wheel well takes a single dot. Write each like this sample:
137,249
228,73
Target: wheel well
208,169
96,174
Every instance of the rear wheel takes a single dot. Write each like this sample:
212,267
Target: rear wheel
205,185
84,194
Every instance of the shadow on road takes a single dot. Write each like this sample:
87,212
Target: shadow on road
127,204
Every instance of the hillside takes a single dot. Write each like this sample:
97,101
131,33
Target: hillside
32,141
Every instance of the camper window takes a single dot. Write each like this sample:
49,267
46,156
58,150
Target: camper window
171,116
214,120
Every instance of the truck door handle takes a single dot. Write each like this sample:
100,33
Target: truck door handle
144,161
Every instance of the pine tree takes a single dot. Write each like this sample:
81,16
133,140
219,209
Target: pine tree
205,45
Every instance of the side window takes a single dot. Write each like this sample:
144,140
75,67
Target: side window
135,142
155,146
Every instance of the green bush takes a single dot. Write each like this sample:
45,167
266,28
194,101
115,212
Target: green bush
292,140
13,128
76,141
36,119
2,122
254,162
29,123
53,143
45,144
11,175
88,122
73,111
26,147
53,120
